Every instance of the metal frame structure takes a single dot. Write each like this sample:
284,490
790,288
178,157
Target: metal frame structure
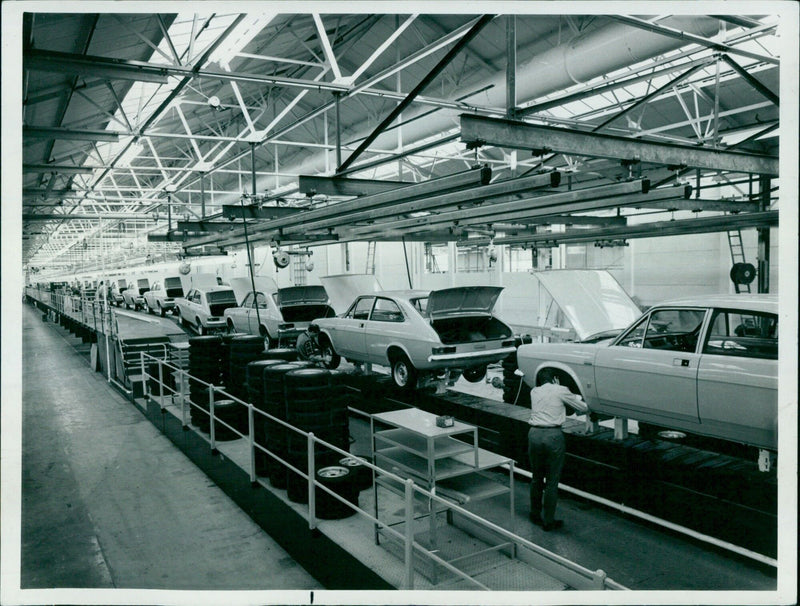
135,118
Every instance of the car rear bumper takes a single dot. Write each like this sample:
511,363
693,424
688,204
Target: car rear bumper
470,358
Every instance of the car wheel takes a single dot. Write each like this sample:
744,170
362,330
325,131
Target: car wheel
404,374
161,311
306,346
330,359
475,375
149,309
200,328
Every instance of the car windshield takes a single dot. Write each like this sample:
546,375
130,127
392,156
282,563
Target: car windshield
221,296
172,283
142,283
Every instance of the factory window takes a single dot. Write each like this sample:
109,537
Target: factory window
437,258
519,259
472,259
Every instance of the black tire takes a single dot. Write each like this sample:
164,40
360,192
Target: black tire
404,375
199,327
161,311
338,479
282,353
474,375
330,359
361,474
306,378
231,327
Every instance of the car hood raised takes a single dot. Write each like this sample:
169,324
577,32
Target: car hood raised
302,295
462,300
344,288
242,286
592,300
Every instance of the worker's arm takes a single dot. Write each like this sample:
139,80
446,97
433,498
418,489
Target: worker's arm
574,401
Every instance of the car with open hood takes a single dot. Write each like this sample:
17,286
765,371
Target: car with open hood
163,295
118,287
707,365
133,296
278,314
203,307
419,334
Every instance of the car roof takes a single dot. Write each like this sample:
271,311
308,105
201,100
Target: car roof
402,294
753,302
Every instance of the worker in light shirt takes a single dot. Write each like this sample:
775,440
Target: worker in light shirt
546,445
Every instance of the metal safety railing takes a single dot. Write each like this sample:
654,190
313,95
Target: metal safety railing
571,573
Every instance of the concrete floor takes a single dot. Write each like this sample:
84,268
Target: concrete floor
108,502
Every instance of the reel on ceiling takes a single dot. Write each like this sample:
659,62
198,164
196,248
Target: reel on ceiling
280,258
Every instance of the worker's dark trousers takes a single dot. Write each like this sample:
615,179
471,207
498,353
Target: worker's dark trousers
546,448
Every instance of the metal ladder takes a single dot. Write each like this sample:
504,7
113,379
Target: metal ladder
370,257
737,254
299,270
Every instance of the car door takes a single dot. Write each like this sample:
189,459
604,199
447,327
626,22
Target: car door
349,334
386,324
256,311
650,373
737,382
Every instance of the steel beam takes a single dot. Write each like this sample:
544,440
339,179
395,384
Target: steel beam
752,80
699,204
338,186
450,183
204,227
509,211
482,22
86,217
654,229
95,67
514,134
233,211
691,38
71,134
64,169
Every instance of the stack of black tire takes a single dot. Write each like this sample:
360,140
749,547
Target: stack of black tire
257,397
225,356
514,391
241,350
204,364
316,402
275,405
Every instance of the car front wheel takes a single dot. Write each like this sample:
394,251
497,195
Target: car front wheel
200,328
404,374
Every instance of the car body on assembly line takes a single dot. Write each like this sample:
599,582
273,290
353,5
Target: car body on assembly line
705,365
118,287
420,334
162,296
133,296
278,314
203,307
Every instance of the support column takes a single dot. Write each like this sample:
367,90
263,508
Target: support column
511,66
763,237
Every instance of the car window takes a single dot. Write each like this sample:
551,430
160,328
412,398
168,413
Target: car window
674,329
386,310
743,334
261,300
248,300
360,310
221,296
421,305
634,337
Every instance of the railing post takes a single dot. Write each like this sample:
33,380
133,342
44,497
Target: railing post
161,383
145,395
408,582
312,494
599,579
182,396
211,389
252,438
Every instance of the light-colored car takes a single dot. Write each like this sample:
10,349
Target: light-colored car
420,334
162,296
705,365
117,289
133,296
203,308
279,314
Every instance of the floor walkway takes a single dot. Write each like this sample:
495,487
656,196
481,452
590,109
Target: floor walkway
108,502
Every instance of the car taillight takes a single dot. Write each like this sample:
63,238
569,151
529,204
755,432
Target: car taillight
509,343
444,350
